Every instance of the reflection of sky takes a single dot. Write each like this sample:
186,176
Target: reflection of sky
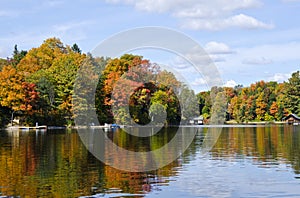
209,177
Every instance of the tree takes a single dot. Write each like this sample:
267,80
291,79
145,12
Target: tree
4,115
75,48
188,105
204,101
274,109
250,112
11,92
234,109
16,94
219,109
292,101
261,106
17,56
41,57
62,75
3,62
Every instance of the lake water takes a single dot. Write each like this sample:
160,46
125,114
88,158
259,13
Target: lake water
244,162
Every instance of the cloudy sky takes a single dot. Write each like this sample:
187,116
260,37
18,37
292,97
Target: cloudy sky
249,40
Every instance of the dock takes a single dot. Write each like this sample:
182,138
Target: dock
27,128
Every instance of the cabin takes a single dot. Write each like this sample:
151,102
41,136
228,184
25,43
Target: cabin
292,119
197,120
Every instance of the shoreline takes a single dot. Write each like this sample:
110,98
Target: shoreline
226,124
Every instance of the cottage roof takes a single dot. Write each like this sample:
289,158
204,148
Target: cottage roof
198,118
292,115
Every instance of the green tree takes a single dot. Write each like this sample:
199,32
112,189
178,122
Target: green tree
62,75
189,106
76,49
218,114
17,56
292,101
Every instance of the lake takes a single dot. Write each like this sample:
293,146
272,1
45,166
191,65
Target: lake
251,161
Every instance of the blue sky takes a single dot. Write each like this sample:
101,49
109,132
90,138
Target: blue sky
249,40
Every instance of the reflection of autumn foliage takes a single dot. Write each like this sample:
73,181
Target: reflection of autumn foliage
266,145
18,165
58,165
136,182
50,166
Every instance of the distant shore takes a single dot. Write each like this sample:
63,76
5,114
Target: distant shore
255,122
227,123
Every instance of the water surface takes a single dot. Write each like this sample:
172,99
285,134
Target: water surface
245,162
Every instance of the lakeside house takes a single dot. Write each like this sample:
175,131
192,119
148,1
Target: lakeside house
292,119
197,120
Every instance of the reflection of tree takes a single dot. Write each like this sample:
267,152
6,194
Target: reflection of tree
18,164
52,165
58,165
268,145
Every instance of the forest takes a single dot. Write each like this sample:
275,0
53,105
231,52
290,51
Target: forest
261,101
38,86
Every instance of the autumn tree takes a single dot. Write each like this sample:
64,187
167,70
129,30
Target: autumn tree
11,92
292,88
3,62
41,58
16,94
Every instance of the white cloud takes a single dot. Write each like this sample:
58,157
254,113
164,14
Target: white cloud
199,82
245,21
217,48
217,51
257,61
240,21
280,77
267,62
202,14
217,58
180,63
196,6
63,28
288,1
230,83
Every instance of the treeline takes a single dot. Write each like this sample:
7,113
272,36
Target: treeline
38,86
261,101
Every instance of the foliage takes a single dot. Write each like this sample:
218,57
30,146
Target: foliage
292,88
261,101
38,86
3,62
149,91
